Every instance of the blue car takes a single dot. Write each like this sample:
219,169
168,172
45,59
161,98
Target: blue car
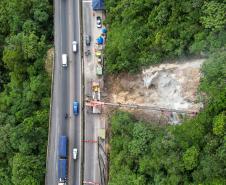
75,108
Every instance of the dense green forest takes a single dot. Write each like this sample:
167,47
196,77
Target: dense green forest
191,153
144,32
25,35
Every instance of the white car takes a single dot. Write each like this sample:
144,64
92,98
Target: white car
74,46
75,153
99,23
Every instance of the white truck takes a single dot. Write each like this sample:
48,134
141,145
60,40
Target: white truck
64,60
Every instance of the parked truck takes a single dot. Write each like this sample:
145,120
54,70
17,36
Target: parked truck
99,70
96,90
95,96
99,67
63,147
62,171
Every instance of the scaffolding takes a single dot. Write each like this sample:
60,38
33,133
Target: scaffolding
92,103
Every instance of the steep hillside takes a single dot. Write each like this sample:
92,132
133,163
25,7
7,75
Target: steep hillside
144,32
191,153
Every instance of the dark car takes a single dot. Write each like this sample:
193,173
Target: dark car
75,108
88,40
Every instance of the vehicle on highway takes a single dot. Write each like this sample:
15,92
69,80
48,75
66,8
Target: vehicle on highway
99,23
62,171
76,108
74,46
88,40
63,147
75,153
64,60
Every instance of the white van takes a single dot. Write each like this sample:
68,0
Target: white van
74,46
64,60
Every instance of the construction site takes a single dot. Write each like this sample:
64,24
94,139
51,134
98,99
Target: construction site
161,94
164,94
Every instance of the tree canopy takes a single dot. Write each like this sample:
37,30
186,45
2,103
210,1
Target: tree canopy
144,32
25,36
191,153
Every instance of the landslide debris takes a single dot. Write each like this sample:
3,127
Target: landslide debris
169,85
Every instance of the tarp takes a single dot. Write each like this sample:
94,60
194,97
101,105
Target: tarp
98,4
100,40
104,30
63,147
62,170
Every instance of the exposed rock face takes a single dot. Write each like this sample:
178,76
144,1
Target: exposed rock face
172,86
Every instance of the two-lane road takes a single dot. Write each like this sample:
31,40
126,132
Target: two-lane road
66,89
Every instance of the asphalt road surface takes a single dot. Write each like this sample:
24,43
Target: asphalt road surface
92,121
66,89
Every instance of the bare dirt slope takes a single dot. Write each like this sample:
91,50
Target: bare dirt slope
172,85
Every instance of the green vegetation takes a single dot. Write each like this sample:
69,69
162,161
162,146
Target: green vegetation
144,32
191,153
25,36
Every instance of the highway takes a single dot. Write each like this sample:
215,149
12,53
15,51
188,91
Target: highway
66,88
